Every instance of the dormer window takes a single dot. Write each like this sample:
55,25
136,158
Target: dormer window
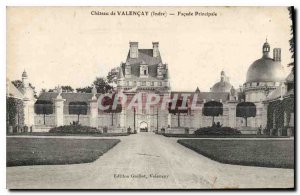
144,70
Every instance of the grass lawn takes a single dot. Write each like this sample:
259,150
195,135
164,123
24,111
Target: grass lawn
70,134
219,136
54,151
263,153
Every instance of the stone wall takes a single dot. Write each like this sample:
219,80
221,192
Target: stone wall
49,120
83,119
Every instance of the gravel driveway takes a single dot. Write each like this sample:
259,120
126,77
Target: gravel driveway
148,161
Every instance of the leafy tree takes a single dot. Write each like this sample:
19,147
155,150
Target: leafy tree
78,108
14,112
213,108
87,89
112,76
179,108
246,110
102,85
109,101
43,107
67,88
19,83
292,40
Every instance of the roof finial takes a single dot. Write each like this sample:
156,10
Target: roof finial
24,74
266,39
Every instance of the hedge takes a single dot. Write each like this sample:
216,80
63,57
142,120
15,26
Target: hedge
217,131
75,129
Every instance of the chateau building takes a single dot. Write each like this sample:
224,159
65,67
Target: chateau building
144,72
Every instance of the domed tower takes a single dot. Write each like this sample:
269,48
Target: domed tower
223,85
264,75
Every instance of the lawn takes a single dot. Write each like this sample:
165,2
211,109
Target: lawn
54,151
219,136
66,134
263,153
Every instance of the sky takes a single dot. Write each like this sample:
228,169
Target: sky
70,46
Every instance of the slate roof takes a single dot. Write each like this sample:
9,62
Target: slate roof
69,97
221,87
145,56
276,94
290,78
208,96
12,91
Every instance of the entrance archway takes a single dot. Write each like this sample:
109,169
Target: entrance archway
143,126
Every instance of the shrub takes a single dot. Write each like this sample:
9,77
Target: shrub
75,129
162,130
217,131
128,130
135,132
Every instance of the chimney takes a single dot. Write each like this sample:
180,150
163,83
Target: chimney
155,49
277,54
134,49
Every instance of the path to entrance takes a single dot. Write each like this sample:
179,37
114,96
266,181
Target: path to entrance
145,154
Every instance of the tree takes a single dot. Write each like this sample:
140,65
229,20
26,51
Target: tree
102,85
213,108
109,101
112,76
14,112
178,108
78,108
65,88
43,107
246,110
19,83
87,89
292,40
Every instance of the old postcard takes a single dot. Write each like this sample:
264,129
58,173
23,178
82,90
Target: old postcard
150,98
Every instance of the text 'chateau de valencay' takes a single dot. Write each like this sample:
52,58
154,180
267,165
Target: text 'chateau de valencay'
144,74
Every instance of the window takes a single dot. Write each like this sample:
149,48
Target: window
145,72
127,83
143,83
134,82
152,83
160,84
